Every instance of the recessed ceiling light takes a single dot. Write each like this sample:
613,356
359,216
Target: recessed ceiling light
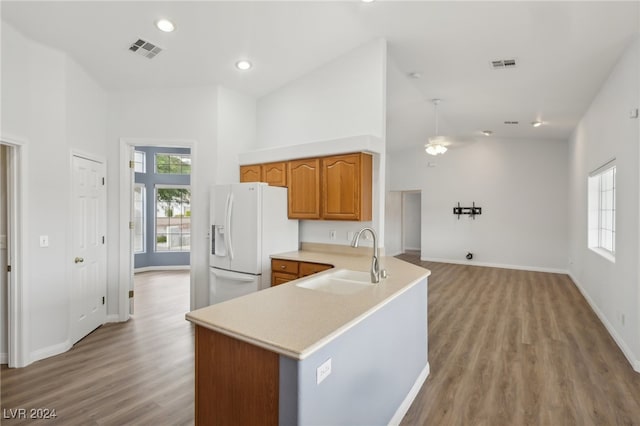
487,132
367,1
536,123
165,25
243,65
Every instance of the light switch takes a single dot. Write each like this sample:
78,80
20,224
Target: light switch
44,241
3,242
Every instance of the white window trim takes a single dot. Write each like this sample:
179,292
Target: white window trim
144,160
607,254
144,218
155,214
155,163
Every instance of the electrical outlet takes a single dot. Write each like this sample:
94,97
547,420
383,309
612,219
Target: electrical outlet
332,235
44,241
350,235
323,371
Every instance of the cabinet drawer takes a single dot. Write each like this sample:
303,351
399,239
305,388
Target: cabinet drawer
286,266
278,278
312,268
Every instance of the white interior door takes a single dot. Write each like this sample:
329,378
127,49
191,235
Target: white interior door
89,284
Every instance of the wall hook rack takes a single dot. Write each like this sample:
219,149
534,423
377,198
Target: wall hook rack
472,211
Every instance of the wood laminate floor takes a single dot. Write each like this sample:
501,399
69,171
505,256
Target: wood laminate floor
510,347
506,347
139,372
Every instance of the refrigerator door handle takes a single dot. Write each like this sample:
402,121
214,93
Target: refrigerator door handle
229,237
226,218
213,240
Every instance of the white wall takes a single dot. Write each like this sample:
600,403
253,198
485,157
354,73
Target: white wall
521,187
607,132
166,115
393,223
346,97
41,91
411,220
3,256
236,132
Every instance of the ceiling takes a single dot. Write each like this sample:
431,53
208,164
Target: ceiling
564,52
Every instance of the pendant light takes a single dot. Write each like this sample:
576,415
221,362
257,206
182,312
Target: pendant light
435,146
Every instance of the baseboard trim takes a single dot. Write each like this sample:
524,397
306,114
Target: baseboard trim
635,364
50,351
4,358
408,400
162,268
496,265
112,318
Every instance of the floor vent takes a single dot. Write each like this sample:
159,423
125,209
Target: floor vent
503,64
146,49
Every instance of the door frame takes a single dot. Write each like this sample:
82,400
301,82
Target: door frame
404,210
101,160
17,291
127,181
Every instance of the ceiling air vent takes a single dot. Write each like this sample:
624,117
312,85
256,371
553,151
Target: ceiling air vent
511,122
144,48
503,64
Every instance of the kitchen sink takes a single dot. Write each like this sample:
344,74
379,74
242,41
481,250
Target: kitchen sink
341,281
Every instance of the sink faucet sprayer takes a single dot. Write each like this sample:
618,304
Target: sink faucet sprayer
375,264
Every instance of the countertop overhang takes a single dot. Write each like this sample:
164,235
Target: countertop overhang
295,321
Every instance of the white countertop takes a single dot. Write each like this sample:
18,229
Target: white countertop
295,321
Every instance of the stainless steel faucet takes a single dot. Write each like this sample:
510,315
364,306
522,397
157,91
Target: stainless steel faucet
375,264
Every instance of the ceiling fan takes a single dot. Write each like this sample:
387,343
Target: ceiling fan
438,144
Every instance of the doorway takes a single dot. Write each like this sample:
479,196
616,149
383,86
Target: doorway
165,233
13,314
4,258
411,221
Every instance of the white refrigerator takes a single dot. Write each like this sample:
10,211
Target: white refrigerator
249,223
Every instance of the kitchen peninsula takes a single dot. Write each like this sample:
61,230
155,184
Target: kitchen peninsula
295,355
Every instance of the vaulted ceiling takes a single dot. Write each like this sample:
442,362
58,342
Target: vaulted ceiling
564,51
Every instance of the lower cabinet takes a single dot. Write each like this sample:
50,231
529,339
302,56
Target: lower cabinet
283,271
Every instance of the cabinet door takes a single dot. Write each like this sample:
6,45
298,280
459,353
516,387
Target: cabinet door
251,173
346,187
304,188
275,174
278,278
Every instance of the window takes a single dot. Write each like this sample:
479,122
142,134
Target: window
139,213
602,211
173,218
139,162
175,164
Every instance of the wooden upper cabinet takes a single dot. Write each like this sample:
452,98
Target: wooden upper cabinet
304,188
346,187
275,174
251,173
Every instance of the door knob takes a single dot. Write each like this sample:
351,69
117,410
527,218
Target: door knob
78,260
